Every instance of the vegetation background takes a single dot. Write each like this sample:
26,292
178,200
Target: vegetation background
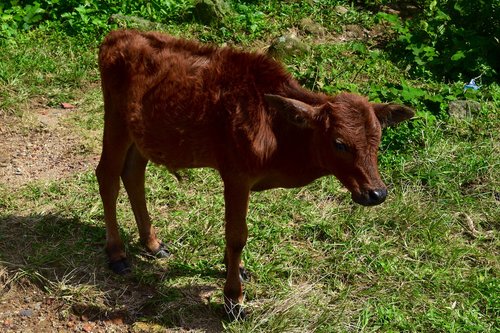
425,261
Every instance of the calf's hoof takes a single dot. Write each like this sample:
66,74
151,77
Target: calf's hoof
162,252
234,311
120,267
244,275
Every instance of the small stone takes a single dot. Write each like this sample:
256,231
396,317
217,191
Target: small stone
8,322
26,313
4,159
87,327
67,106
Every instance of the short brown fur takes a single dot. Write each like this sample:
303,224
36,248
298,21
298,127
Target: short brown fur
185,105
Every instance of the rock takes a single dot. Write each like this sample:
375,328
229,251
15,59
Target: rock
210,12
129,21
341,10
287,46
404,9
463,109
311,27
353,31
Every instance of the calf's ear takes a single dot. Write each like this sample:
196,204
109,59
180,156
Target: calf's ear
392,114
296,112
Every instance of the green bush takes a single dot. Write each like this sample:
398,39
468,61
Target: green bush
90,17
449,39
15,17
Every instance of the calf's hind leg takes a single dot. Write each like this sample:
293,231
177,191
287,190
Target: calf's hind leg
133,175
115,146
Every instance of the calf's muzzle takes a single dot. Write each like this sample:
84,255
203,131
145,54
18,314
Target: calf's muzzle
370,197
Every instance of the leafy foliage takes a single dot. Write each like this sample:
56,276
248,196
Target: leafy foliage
87,17
450,39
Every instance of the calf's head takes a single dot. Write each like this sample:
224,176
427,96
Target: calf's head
346,132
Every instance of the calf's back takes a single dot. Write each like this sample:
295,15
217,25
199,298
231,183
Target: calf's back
189,105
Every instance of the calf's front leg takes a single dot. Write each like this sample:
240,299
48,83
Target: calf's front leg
236,196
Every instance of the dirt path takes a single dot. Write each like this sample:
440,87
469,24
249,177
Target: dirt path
43,149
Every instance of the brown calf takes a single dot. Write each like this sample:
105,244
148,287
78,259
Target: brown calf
184,105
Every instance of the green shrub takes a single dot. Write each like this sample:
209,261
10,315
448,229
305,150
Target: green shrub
90,17
449,39
14,17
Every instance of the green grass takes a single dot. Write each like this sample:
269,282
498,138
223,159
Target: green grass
47,65
427,260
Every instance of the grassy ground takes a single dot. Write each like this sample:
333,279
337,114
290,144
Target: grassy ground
427,260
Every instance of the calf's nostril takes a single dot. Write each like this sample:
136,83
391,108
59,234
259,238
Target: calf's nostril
377,195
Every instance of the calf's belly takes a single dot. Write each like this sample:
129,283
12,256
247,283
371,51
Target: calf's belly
176,151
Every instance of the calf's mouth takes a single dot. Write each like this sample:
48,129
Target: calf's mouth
370,197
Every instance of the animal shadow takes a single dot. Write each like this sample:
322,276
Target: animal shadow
57,252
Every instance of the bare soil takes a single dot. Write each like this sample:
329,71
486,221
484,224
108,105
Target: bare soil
43,149
25,308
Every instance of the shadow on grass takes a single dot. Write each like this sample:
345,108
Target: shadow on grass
65,256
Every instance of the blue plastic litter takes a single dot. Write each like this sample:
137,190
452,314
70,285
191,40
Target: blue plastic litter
471,85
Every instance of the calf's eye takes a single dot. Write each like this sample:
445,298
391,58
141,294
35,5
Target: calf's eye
340,146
